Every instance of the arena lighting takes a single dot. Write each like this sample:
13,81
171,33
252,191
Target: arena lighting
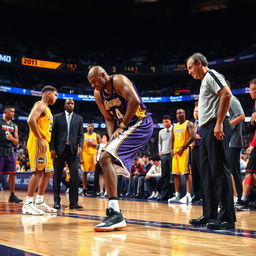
133,68
81,97
40,63
5,58
183,91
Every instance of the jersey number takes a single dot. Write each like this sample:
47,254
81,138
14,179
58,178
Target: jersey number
118,114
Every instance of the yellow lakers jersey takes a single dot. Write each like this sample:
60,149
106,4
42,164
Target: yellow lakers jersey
181,135
44,125
92,138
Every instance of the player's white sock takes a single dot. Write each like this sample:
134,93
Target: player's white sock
244,197
29,199
113,203
39,199
177,194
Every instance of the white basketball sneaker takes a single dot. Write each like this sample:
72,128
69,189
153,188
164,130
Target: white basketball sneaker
174,199
152,196
156,195
44,207
31,209
186,200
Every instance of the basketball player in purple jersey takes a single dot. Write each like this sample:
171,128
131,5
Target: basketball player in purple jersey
129,126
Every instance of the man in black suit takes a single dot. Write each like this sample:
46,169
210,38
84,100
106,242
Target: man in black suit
66,145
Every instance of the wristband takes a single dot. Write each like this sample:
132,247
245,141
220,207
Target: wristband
122,125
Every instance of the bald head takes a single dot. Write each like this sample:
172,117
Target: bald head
98,78
95,71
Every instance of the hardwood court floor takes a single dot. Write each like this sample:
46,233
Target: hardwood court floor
154,228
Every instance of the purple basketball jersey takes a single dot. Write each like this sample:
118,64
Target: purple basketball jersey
138,133
116,105
125,147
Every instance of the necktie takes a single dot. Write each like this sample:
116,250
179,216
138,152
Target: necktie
68,123
196,125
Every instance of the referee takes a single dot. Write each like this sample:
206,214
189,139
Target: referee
213,105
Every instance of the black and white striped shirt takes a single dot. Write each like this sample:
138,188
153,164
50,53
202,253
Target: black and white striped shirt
208,102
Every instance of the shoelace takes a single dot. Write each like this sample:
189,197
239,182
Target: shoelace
40,203
109,213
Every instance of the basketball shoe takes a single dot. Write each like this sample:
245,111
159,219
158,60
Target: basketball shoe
30,209
187,199
14,199
44,207
174,199
113,221
152,196
242,206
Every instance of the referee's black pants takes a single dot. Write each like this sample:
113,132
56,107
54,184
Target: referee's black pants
215,178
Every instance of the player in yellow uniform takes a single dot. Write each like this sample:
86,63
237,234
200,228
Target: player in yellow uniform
183,134
88,158
40,123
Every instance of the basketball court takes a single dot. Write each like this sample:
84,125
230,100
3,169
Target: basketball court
153,228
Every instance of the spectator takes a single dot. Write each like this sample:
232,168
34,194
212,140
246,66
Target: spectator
143,191
153,177
137,171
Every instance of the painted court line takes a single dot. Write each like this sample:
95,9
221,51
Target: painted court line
7,250
13,209
231,232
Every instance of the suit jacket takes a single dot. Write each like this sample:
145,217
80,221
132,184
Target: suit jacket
59,133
